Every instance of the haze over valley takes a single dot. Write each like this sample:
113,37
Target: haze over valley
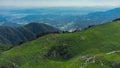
64,18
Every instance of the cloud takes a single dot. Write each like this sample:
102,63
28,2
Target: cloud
52,3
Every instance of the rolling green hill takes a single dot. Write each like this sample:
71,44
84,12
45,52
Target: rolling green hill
96,47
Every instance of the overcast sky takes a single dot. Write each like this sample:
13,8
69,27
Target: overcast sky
56,3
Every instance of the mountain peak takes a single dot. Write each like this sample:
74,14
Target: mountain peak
117,19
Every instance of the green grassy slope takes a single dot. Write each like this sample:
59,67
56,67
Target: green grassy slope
96,47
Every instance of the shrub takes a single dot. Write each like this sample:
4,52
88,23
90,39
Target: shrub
59,52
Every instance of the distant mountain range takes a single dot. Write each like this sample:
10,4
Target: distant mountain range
66,19
95,19
68,22
18,35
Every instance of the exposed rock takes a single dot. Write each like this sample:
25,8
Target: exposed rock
116,64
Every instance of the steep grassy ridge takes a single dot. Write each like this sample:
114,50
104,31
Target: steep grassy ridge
96,47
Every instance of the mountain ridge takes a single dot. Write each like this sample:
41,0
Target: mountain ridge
14,36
